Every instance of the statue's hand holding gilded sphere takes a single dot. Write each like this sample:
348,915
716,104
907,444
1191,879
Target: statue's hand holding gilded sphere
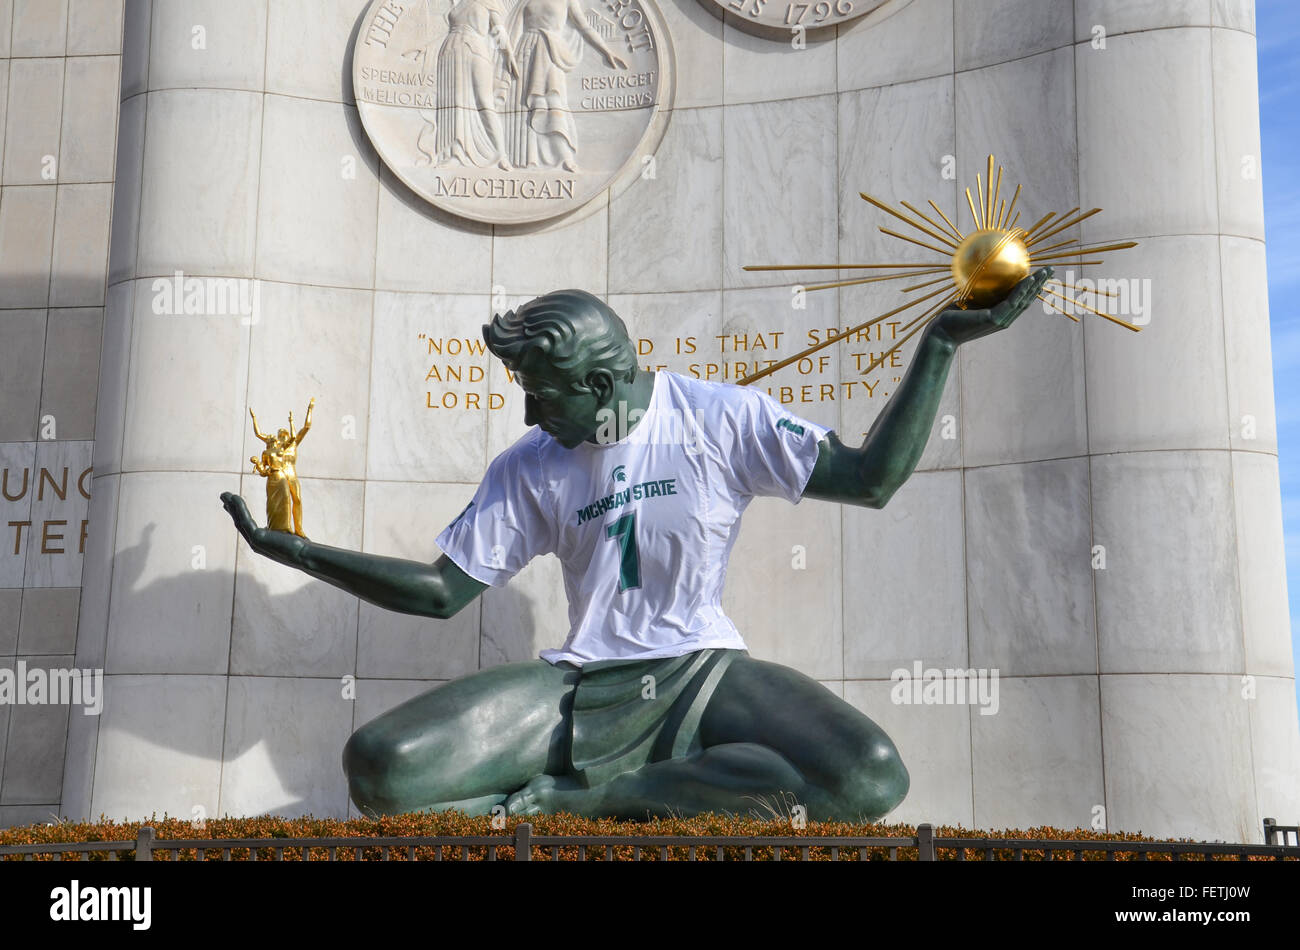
962,326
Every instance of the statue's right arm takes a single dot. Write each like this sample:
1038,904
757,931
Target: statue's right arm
592,37
256,431
438,590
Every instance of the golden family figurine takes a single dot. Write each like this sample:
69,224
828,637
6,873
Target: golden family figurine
278,465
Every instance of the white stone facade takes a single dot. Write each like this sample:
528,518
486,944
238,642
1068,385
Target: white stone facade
59,66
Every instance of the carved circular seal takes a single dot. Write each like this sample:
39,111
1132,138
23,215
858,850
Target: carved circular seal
778,18
512,111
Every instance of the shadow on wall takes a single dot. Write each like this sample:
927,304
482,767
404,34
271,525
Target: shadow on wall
271,741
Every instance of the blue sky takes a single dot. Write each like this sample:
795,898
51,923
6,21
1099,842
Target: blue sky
1278,30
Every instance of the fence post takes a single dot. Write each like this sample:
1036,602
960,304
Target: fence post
524,842
1269,833
144,844
925,841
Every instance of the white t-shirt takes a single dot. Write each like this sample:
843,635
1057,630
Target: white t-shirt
643,526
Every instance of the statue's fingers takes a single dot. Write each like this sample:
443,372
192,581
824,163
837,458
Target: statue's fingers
231,504
1030,287
1027,294
1040,278
1017,302
238,510
235,515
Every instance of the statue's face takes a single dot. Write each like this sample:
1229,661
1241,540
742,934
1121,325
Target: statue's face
282,435
549,402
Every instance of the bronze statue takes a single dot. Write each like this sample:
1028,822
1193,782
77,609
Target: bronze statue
652,706
278,465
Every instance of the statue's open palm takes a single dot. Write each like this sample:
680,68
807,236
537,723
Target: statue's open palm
962,326
282,546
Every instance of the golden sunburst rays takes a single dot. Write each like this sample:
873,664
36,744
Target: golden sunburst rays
974,270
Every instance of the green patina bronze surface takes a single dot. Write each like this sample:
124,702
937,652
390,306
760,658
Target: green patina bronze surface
724,733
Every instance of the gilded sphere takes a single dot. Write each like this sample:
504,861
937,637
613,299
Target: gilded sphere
988,264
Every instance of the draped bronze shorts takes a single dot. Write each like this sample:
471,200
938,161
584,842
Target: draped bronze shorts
628,714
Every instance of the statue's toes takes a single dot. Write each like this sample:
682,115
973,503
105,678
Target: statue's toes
518,804
532,799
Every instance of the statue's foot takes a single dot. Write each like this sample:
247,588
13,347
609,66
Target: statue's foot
548,795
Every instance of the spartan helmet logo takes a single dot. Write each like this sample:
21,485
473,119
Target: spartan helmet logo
618,474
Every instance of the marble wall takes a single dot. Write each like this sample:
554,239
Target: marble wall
59,65
1154,693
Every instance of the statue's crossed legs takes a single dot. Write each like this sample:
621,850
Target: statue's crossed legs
769,738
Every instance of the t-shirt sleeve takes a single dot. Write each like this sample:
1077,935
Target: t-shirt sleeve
774,452
506,524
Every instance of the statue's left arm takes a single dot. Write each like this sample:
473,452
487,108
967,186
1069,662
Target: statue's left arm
498,30
439,590
870,474
306,423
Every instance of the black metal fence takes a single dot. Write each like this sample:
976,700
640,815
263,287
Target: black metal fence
523,845
1281,834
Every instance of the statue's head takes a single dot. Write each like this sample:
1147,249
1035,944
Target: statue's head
568,351
283,436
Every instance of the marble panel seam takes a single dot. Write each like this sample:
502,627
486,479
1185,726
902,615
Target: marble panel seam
1034,676
103,55
370,378
946,74
252,92
1165,29
248,383
302,475
424,293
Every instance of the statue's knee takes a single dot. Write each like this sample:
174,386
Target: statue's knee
895,782
359,753
369,761
877,781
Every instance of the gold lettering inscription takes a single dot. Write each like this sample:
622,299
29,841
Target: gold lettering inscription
460,366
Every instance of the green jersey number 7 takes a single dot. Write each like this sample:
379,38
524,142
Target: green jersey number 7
629,568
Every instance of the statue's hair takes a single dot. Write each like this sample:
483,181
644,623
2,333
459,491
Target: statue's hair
574,330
